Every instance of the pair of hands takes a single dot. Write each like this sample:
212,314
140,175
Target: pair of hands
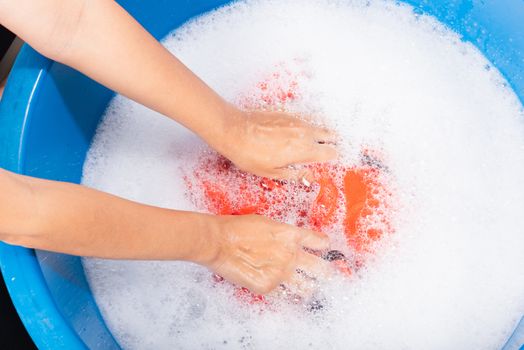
253,251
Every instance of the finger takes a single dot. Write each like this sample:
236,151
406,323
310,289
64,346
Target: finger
317,132
313,240
319,153
324,135
275,174
308,152
313,266
311,154
307,118
300,174
300,285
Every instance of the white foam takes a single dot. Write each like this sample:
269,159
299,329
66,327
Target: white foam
451,277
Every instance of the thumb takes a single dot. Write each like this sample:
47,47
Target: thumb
313,240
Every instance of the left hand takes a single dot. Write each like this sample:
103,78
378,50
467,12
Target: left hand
258,253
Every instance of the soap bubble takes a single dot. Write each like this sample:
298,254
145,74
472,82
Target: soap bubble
446,133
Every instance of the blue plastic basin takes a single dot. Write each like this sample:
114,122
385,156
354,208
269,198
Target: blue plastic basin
49,114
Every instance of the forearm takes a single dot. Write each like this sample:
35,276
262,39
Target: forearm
77,220
100,39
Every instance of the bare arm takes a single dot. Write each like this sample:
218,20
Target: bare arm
100,39
77,220
103,41
251,251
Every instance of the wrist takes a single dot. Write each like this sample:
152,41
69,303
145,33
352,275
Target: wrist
227,128
209,244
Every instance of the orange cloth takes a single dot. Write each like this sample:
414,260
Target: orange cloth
343,195
346,195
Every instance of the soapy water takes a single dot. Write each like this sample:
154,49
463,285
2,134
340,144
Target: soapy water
447,271
349,203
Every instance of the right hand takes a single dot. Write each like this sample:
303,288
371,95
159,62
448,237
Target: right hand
273,144
260,254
